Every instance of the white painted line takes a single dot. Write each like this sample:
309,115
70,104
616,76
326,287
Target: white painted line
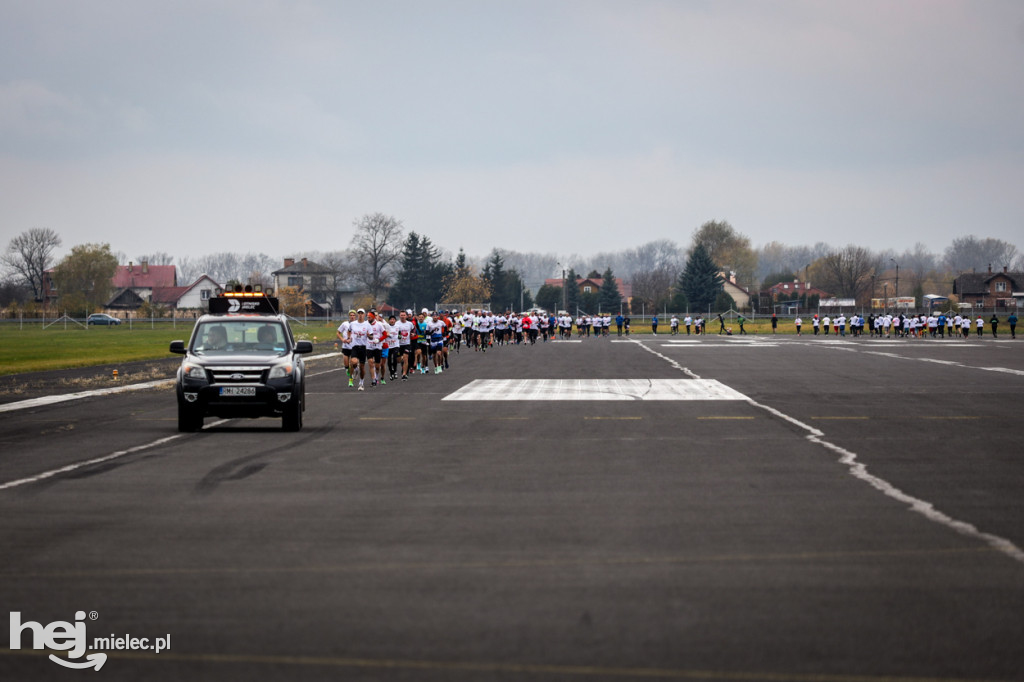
595,389
98,460
1004,370
859,470
65,397
719,345
53,399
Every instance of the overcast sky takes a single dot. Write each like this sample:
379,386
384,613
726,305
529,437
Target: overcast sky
193,127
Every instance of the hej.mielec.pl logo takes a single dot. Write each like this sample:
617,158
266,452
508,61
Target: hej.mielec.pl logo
71,637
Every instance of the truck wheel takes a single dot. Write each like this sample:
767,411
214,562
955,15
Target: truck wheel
189,420
291,420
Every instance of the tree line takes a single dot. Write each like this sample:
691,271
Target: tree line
404,269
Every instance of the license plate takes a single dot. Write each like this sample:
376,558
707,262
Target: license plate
238,391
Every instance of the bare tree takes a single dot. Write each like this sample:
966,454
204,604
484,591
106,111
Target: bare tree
376,247
971,253
917,265
847,272
156,258
227,267
339,267
653,288
30,255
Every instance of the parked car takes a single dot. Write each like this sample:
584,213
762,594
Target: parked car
102,318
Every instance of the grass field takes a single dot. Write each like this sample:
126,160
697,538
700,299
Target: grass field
31,348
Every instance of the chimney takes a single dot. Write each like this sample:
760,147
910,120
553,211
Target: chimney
305,263
145,267
990,268
1004,268
130,266
288,262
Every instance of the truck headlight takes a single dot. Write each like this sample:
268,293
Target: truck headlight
195,372
281,371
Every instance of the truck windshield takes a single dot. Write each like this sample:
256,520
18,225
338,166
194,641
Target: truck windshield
239,336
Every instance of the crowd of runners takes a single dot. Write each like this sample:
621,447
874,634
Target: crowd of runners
401,346
919,326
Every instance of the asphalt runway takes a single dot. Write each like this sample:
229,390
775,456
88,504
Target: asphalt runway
742,508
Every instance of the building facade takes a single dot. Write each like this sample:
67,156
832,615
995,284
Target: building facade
998,290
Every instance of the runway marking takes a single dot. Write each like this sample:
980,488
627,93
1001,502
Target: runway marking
598,419
951,363
98,460
63,398
491,668
726,417
839,418
595,389
159,383
859,470
1005,370
387,419
701,344
507,564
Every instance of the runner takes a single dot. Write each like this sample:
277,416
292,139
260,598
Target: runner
374,344
344,335
359,331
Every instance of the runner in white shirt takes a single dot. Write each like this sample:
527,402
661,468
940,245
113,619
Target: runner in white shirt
345,337
458,326
359,331
436,332
374,347
979,326
500,328
394,346
403,329
798,323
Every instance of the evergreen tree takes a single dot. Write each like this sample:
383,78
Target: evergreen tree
700,281
462,286
609,296
494,274
572,293
724,302
679,303
421,279
549,297
403,292
516,293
